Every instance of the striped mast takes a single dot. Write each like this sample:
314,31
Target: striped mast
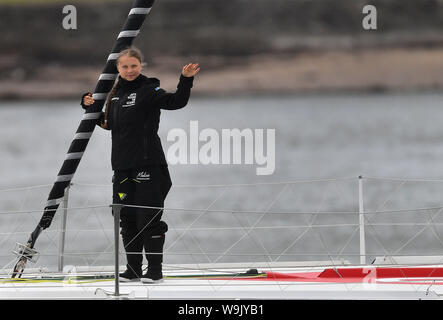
130,30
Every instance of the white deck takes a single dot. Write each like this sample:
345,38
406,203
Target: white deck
201,288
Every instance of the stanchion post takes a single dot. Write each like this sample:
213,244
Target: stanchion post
116,208
361,221
61,247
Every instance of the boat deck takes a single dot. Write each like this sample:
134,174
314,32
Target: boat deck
224,282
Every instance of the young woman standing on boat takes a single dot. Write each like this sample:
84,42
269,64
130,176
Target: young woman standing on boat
141,176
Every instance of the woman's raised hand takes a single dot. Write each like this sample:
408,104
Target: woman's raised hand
190,69
87,100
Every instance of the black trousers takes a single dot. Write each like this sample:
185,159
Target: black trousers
142,227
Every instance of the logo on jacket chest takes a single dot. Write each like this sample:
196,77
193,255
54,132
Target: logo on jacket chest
130,101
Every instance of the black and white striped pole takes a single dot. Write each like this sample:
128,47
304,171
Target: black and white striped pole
130,30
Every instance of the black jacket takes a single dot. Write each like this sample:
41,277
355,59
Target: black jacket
134,116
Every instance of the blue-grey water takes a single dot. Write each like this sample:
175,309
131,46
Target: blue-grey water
288,215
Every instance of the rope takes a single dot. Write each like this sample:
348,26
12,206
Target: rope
247,229
172,209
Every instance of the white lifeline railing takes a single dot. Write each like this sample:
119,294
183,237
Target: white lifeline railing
116,210
361,211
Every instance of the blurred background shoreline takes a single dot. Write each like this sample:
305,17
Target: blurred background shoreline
244,47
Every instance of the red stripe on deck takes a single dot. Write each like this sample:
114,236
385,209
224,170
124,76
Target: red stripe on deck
305,276
347,275
379,273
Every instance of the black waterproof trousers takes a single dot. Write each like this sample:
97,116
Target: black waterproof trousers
142,227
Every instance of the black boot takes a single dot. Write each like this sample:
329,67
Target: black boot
129,275
133,246
153,275
154,255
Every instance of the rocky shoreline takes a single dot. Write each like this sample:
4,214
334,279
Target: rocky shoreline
246,47
370,70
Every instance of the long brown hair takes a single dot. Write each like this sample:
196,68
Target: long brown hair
131,52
